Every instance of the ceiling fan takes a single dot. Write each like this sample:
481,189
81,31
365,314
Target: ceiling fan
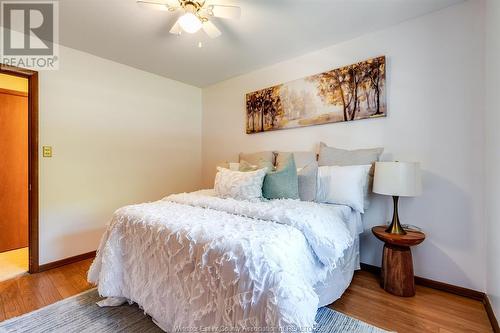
196,15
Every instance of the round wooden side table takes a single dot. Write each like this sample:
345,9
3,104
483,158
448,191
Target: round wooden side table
397,262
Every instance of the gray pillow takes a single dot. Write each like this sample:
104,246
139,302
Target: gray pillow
302,158
256,158
282,183
308,182
334,156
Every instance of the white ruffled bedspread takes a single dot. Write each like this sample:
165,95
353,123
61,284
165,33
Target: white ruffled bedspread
194,260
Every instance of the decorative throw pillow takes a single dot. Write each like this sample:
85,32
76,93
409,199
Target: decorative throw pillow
302,158
307,177
255,158
229,165
282,183
245,166
261,164
239,185
329,156
334,156
343,185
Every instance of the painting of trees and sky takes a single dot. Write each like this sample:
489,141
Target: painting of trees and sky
349,93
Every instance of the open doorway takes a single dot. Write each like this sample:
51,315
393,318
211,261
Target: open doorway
18,172
14,186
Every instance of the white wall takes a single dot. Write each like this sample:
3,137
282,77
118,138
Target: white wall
492,152
120,136
435,99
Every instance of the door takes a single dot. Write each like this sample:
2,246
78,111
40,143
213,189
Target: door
13,170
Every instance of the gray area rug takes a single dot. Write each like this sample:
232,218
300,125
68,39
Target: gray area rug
80,314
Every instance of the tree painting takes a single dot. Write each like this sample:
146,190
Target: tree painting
264,109
344,94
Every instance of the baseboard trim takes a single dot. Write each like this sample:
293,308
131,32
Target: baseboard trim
66,261
371,268
450,288
491,314
460,291
465,292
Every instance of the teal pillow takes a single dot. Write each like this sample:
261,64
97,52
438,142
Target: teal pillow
282,183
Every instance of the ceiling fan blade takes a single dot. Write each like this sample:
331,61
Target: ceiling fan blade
211,30
173,3
169,5
176,28
222,11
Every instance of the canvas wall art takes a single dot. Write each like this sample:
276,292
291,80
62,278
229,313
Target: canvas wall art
349,93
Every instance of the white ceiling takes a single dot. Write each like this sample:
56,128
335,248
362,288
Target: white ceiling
269,31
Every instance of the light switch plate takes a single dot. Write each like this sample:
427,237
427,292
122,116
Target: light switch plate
47,151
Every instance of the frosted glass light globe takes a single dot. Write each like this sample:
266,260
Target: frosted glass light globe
190,23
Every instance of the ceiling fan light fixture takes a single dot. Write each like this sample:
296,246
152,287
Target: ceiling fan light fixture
190,23
196,14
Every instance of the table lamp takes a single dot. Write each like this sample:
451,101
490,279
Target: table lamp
399,179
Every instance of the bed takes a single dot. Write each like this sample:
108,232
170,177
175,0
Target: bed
194,260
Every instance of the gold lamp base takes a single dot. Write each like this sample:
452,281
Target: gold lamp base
395,226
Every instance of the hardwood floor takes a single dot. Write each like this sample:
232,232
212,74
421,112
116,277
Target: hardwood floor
31,292
429,311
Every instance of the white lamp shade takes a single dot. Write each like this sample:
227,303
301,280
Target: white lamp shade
397,179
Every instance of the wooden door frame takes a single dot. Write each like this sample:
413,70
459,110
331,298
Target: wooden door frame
33,238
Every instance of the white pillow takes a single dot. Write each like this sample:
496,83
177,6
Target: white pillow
343,185
239,185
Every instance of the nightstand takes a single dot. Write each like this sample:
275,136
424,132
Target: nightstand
397,262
